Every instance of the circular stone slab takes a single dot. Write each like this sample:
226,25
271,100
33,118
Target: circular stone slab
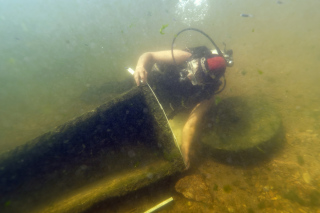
240,123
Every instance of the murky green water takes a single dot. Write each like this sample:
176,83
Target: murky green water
55,51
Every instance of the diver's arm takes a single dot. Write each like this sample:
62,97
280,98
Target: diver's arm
191,126
146,61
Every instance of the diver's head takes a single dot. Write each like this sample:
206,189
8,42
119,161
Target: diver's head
202,71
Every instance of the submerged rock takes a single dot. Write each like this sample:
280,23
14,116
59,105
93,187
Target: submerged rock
193,187
242,130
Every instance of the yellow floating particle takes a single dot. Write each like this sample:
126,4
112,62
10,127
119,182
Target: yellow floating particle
303,211
277,197
306,177
230,209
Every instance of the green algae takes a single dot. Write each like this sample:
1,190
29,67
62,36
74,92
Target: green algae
300,160
227,188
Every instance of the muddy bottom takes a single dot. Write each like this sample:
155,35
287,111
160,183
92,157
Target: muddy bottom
288,182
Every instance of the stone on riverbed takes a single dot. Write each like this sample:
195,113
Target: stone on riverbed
193,187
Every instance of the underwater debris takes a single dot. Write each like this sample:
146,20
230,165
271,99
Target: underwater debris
300,160
246,15
234,116
262,205
128,157
260,72
217,100
136,164
227,188
306,177
250,210
153,209
162,28
293,196
260,150
215,187
194,188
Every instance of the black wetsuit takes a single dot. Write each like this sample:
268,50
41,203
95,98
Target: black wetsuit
175,94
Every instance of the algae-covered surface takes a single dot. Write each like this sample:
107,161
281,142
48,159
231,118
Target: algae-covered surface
240,123
119,147
118,185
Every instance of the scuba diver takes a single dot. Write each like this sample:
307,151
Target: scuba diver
184,80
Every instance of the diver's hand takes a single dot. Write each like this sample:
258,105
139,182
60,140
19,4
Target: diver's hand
140,75
185,156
